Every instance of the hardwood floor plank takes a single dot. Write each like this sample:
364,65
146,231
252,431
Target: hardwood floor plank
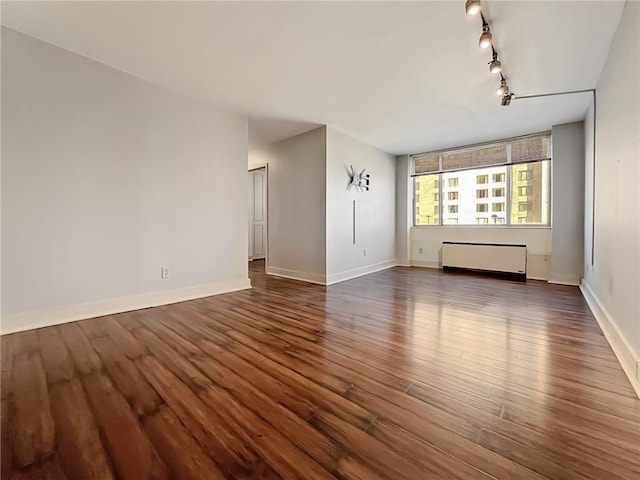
546,465
423,427
142,397
180,451
7,348
304,387
7,436
84,357
34,438
405,373
81,451
423,453
123,338
277,451
131,451
350,468
208,426
55,357
180,366
50,469
324,451
372,451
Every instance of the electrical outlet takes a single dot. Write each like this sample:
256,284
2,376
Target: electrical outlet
420,250
365,252
165,272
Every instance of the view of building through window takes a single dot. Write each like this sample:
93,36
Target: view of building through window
506,194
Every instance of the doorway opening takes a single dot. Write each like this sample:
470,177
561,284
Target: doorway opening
258,219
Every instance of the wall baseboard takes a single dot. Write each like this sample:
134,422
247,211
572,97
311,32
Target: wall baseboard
627,358
564,279
425,264
403,263
358,272
55,316
297,275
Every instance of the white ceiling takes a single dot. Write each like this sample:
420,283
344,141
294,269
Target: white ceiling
405,77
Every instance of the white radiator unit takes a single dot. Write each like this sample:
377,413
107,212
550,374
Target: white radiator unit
490,257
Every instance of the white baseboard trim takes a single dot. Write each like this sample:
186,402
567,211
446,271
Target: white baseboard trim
297,275
563,279
358,272
54,316
627,358
425,264
403,263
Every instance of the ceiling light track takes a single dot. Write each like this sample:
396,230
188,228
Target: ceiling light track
473,7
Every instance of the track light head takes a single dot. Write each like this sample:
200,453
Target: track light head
472,7
495,66
486,37
506,99
503,88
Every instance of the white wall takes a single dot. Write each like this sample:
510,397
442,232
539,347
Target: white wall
375,209
612,284
106,178
427,241
567,238
296,205
404,210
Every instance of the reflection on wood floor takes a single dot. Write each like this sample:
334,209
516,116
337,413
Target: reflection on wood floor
403,374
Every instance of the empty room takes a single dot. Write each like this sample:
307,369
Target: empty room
314,240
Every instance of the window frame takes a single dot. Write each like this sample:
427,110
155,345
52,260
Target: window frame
508,182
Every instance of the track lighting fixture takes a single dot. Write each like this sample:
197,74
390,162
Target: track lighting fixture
486,40
486,37
494,65
503,88
472,7
506,99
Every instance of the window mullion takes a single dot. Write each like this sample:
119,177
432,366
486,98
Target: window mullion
508,194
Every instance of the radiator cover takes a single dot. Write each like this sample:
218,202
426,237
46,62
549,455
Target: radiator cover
490,257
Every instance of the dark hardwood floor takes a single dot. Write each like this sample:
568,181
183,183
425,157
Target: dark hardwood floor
403,374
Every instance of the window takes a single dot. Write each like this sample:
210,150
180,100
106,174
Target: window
426,195
525,190
498,177
524,175
463,185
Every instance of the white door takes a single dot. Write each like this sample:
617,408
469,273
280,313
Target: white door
257,214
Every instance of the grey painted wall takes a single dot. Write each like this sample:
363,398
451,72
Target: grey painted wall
404,210
614,277
296,204
106,178
375,209
567,234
